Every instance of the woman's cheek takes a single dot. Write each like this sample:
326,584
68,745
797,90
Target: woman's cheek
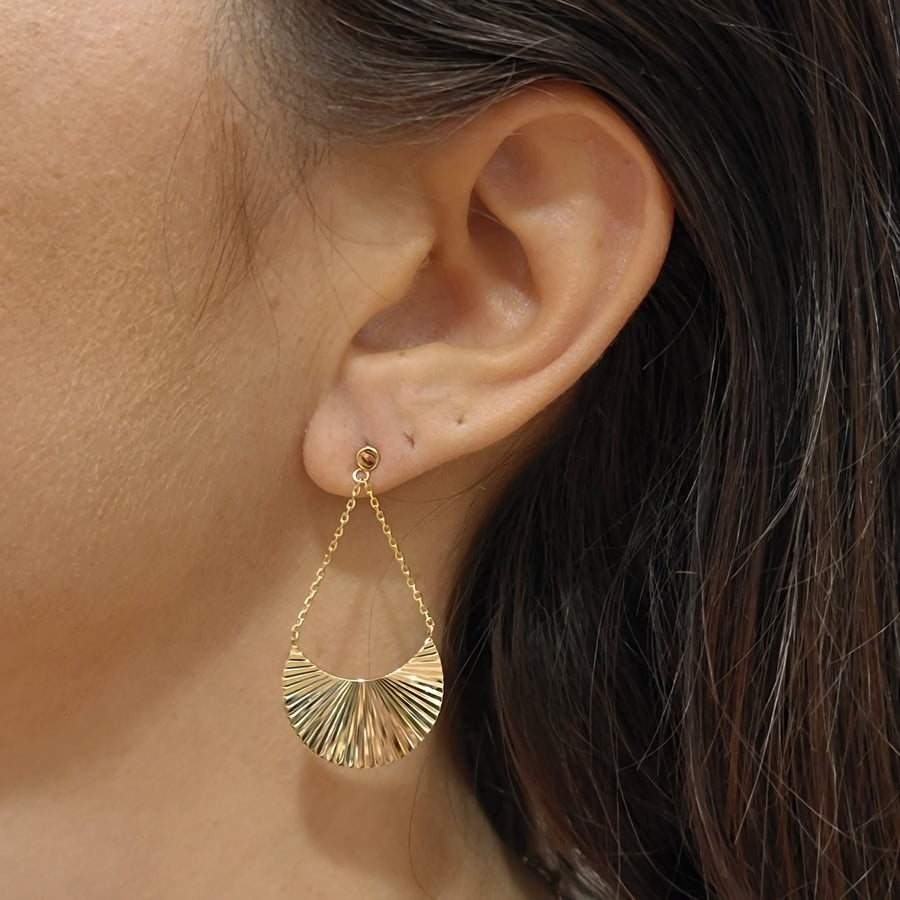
109,385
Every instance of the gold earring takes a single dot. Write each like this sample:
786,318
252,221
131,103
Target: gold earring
362,723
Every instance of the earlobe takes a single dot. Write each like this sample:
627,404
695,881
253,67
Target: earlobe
549,222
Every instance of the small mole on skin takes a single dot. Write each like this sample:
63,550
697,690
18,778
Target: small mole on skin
460,420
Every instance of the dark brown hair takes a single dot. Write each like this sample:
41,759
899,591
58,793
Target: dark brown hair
678,650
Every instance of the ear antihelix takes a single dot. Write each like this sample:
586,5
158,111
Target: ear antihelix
363,723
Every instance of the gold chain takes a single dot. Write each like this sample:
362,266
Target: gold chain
361,477
404,568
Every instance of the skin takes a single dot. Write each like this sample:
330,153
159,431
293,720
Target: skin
178,437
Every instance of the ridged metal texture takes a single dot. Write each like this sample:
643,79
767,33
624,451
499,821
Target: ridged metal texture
363,723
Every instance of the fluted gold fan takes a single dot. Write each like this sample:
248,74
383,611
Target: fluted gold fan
363,723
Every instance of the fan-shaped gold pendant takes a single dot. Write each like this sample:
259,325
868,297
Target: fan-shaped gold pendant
363,723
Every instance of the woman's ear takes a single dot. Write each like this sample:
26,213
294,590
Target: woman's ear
510,253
